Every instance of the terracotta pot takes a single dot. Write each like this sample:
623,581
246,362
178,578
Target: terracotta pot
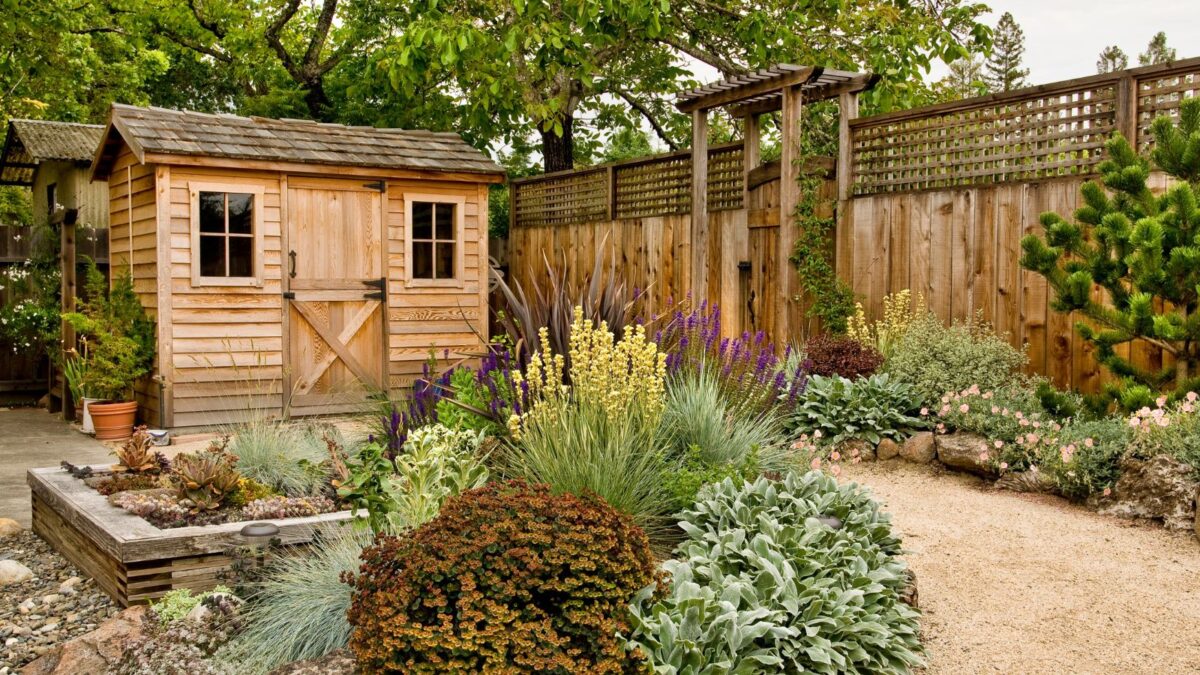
113,421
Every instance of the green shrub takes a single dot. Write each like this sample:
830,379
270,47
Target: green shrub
871,408
935,359
507,578
1003,414
297,610
684,480
399,494
696,415
762,584
285,457
1168,428
1088,458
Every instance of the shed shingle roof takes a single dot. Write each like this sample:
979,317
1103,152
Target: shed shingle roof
30,142
174,132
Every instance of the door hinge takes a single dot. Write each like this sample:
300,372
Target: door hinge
373,295
377,185
289,295
375,283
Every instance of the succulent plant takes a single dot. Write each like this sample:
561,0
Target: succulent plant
137,455
205,480
273,508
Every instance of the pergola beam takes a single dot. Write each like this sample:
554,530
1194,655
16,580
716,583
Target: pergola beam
730,92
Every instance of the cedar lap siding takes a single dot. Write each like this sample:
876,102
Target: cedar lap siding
329,217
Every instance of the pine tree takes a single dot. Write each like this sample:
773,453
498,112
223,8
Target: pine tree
1157,51
1112,59
1143,251
965,79
1004,71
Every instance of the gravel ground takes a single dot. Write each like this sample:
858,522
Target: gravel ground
1018,583
57,604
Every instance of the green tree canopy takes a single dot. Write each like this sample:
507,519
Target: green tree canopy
1112,59
1003,66
1157,51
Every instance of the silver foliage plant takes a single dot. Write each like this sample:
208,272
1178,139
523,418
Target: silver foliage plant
765,583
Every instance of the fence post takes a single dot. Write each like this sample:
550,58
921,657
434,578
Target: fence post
699,238
1127,114
750,153
848,110
611,183
789,199
68,290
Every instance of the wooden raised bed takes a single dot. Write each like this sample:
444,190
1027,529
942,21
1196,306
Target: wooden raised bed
132,560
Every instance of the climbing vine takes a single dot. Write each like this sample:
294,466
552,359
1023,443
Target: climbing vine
832,298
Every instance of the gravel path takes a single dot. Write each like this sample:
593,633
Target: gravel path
57,604
1017,583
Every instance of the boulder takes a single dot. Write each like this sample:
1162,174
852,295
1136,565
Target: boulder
919,448
887,449
9,527
968,452
908,595
13,572
95,652
1027,481
1161,488
340,662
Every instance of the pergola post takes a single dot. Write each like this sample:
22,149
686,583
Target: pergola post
847,111
789,199
751,155
699,237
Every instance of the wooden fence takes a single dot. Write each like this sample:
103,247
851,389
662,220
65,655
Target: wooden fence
939,199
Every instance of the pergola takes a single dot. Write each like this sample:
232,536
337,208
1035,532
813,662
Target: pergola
783,87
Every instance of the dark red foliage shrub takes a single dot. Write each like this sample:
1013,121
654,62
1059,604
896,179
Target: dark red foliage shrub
509,578
832,355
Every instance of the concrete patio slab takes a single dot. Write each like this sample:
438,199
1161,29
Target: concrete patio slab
32,437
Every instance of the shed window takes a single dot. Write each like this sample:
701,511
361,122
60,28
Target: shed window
226,234
434,240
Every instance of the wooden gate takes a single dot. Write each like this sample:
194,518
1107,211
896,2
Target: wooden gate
335,295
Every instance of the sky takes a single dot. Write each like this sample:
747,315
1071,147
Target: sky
1063,38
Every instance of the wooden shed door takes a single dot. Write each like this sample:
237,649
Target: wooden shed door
336,294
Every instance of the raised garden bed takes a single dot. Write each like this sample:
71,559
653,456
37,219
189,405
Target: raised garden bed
132,560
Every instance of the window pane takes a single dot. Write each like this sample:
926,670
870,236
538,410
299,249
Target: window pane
445,261
241,256
422,220
212,256
422,261
212,211
445,222
241,212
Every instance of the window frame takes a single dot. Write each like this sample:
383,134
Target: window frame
256,226
460,204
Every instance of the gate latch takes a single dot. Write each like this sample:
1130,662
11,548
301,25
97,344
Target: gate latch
744,266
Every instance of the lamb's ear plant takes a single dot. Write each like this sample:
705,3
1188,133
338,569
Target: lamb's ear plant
870,408
791,576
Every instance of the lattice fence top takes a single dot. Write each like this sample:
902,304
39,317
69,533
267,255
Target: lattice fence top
1042,132
1162,95
653,186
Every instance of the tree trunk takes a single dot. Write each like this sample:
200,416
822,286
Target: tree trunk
317,101
558,152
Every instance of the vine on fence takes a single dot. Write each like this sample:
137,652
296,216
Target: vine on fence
832,298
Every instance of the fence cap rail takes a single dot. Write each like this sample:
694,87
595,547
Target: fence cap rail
1018,95
623,164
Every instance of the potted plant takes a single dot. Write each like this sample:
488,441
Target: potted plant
121,350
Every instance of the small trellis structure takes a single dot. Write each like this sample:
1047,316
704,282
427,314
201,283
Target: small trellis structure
730,249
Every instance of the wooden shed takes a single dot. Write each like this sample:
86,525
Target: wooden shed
293,268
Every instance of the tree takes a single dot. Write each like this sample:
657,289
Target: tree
549,64
966,79
1003,68
1143,251
1157,51
1112,59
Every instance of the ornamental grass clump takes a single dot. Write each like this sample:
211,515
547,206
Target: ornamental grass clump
600,432
508,578
793,576
288,458
297,609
